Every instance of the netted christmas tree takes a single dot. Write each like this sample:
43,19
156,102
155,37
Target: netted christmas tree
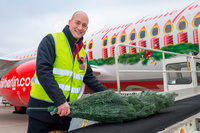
148,102
106,106
110,107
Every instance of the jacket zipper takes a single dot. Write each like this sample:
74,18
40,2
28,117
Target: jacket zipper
73,59
71,80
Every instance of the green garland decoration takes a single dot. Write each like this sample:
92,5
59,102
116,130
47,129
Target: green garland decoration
134,58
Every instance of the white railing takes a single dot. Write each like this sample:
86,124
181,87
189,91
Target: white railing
199,35
164,71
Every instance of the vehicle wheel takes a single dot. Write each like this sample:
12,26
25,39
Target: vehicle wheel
20,110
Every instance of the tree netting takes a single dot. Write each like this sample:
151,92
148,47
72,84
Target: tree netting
106,106
110,107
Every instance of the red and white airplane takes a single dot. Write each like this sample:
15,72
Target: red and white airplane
172,27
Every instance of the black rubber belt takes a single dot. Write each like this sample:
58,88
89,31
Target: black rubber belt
179,111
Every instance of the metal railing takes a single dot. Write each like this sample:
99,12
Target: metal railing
164,71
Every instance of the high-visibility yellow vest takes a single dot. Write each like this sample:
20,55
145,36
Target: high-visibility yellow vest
68,72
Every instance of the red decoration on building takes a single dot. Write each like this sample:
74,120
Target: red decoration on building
122,49
168,39
182,37
104,53
155,43
112,51
142,43
132,50
147,54
89,54
195,36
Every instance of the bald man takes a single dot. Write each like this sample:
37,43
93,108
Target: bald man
61,68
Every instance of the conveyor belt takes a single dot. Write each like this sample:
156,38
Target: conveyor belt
179,111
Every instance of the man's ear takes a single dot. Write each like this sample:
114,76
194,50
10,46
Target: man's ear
69,22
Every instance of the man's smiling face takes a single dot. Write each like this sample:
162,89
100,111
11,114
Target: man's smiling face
78,24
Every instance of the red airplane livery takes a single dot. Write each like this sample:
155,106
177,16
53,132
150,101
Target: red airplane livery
156,32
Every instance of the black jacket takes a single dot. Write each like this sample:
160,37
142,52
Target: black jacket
44,65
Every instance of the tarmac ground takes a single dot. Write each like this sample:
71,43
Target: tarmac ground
17,123
11,122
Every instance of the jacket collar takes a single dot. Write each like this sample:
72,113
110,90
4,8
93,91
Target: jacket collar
70,37
75,46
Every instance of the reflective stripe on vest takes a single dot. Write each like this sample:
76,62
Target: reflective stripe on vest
61,86
68,73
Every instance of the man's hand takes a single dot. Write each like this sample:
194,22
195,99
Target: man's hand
63,109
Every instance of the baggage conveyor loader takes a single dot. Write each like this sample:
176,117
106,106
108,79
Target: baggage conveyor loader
180,75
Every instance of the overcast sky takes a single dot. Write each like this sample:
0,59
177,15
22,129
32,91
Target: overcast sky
23,23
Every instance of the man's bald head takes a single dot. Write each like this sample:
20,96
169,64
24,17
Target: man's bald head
78,24
80,12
